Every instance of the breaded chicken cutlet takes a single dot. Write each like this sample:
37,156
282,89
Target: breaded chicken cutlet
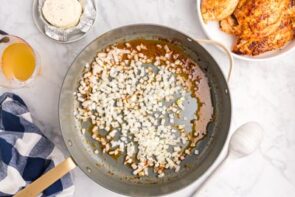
260,25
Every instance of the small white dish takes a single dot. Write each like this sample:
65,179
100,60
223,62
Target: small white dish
69,35
213,32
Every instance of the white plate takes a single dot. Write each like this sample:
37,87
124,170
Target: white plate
213,32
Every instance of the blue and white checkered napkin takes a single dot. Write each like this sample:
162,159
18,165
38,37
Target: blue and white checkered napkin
25,153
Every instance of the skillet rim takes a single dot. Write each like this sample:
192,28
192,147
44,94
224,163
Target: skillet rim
224,141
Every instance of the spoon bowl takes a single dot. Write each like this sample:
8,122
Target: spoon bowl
245,140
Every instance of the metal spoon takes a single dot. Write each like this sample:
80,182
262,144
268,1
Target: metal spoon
3,37
3,32
243,142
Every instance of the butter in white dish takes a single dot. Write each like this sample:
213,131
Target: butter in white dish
62,13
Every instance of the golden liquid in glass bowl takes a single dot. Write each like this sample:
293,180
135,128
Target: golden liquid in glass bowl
18,61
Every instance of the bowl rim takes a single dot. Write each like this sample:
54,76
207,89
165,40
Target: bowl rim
241,57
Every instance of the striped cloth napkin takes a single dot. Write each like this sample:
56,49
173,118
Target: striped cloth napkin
25,153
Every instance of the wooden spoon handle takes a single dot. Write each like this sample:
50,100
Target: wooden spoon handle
47,179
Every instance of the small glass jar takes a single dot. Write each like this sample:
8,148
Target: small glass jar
12,82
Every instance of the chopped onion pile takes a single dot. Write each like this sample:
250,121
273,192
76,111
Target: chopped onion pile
135,99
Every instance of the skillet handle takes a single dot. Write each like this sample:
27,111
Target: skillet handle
228,53
47,179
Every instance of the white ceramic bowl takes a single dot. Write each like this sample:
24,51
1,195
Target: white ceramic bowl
213,32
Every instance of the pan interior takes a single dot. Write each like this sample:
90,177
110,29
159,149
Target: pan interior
110,172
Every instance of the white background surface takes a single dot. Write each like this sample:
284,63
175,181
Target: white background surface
264,92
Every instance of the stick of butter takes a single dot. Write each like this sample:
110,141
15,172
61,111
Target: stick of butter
62,13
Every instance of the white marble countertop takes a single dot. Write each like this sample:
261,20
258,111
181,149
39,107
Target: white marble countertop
262,91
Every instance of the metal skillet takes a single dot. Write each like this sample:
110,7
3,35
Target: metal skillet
111,173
